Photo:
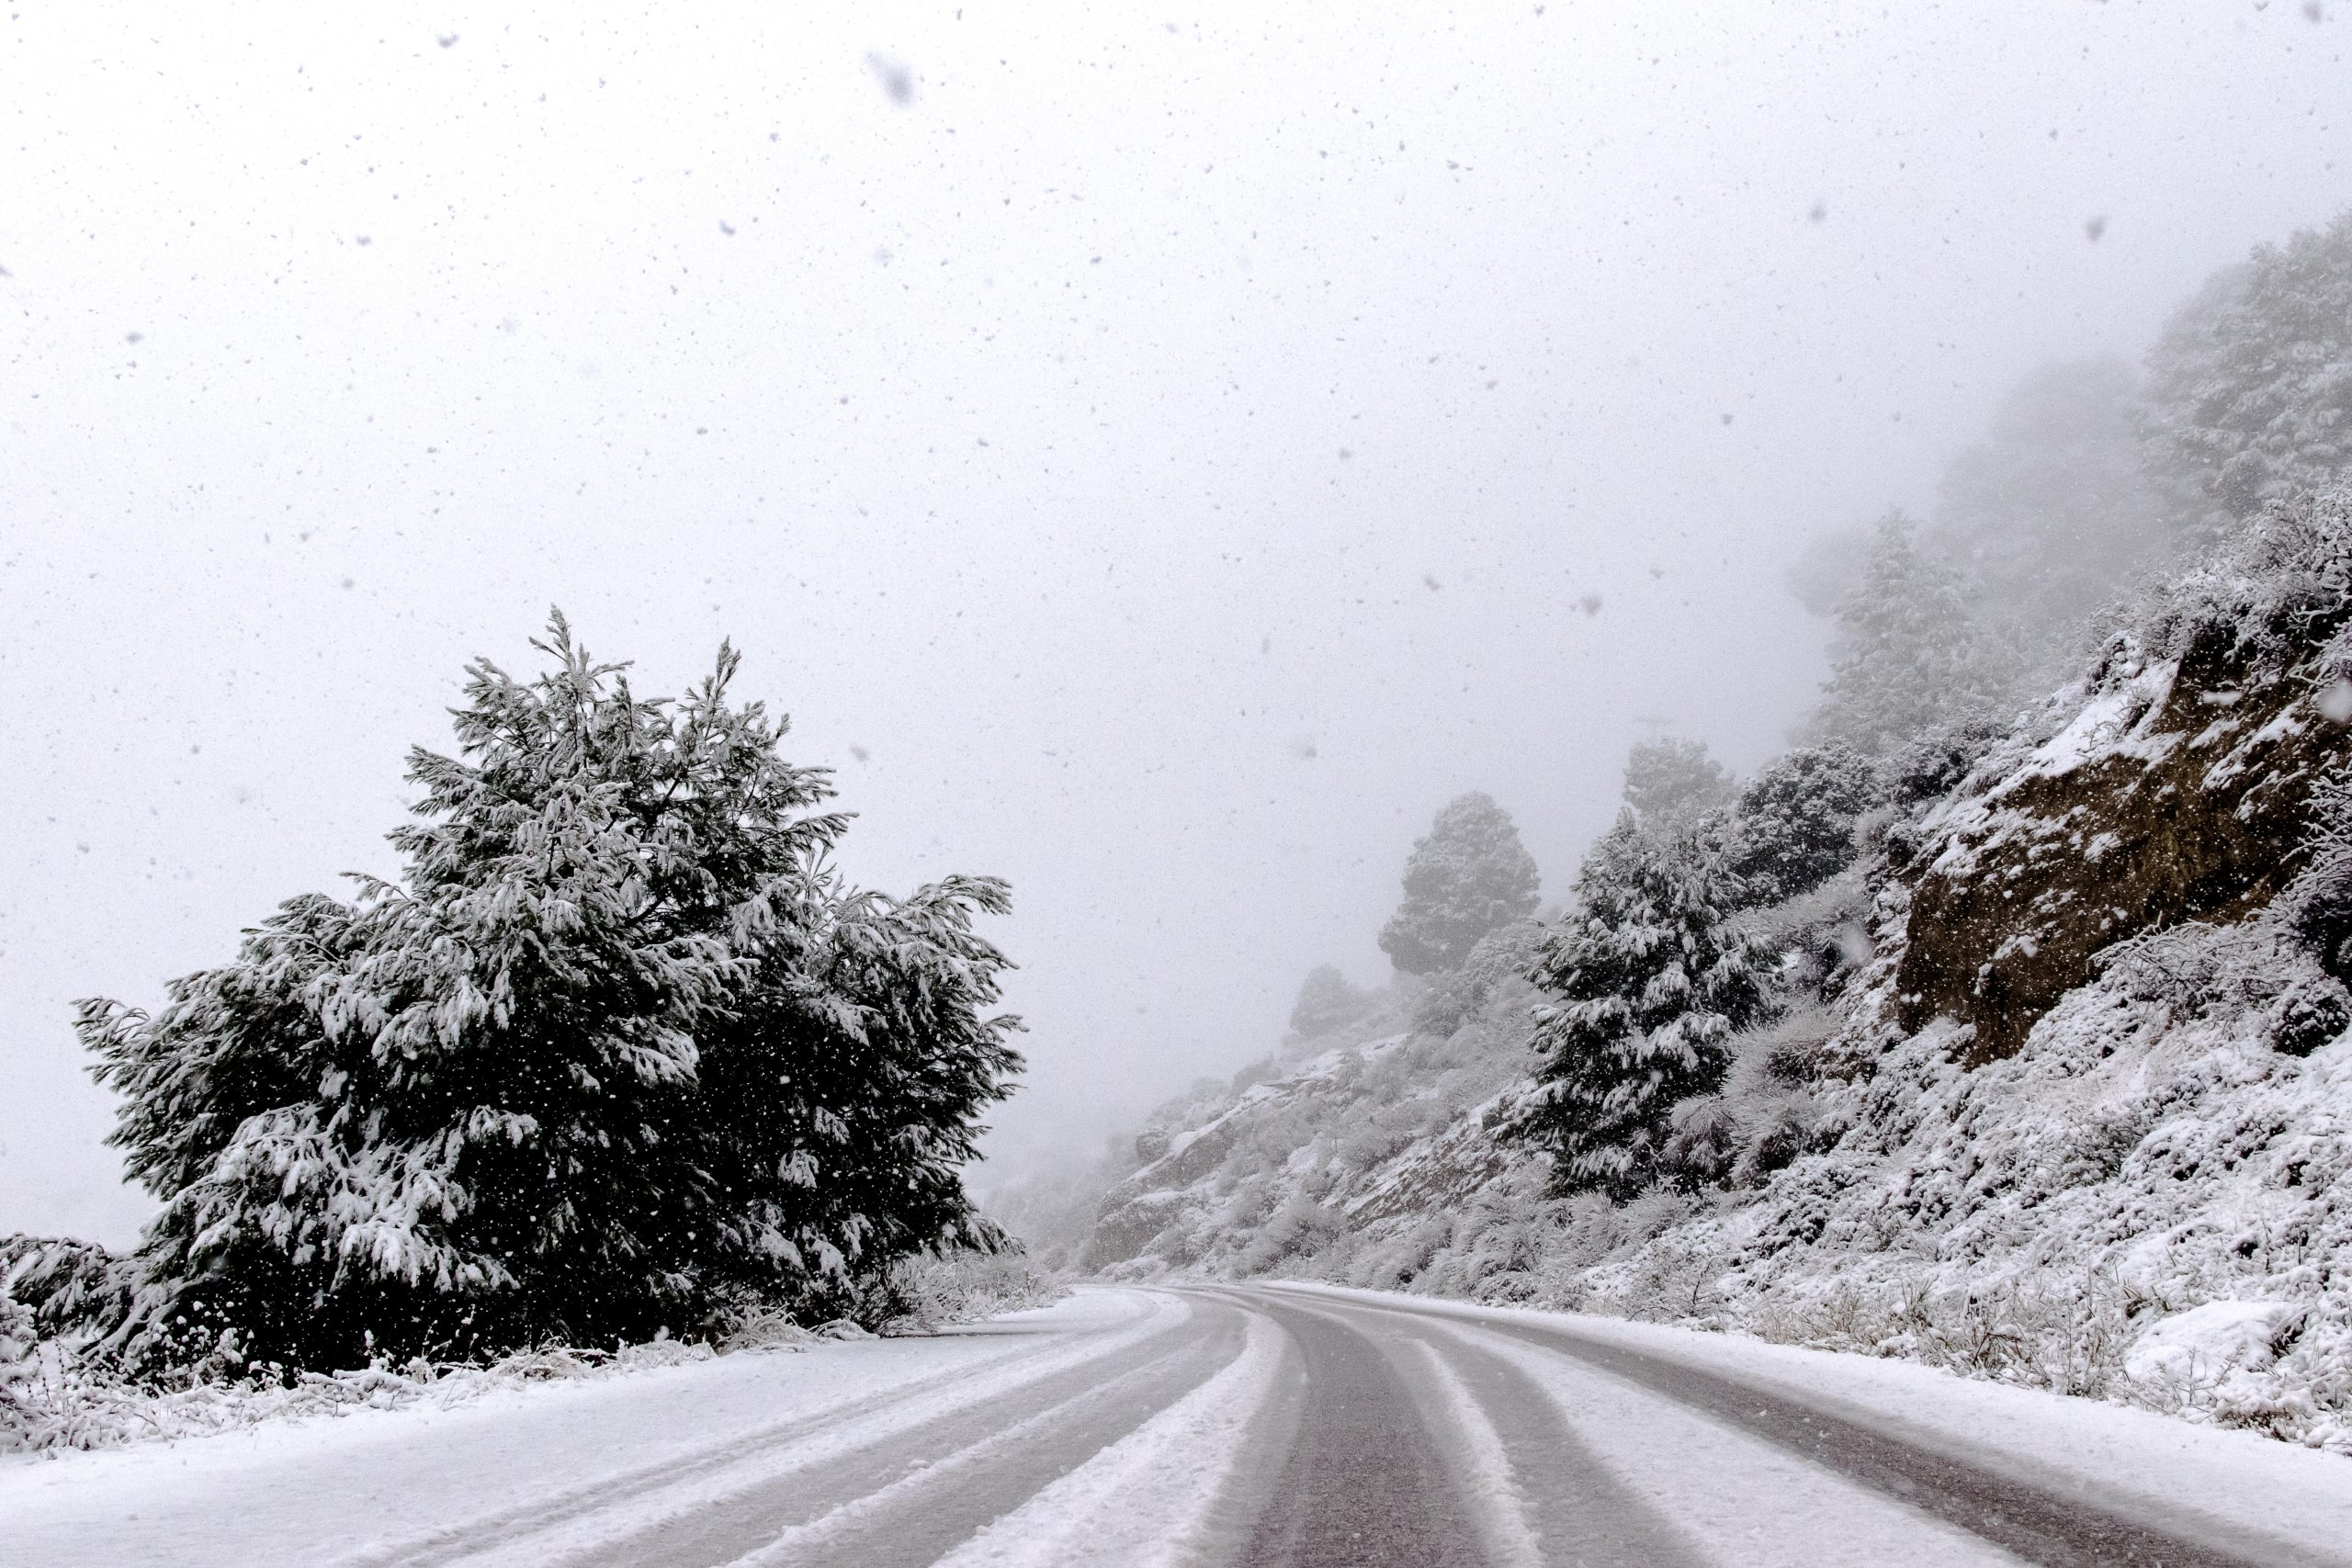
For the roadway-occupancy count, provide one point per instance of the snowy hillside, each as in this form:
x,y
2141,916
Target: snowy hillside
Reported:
x,y
2061,1092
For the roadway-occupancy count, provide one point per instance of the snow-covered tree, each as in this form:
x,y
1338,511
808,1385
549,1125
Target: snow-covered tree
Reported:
x,y
1908,656
1496,963
2051,513
1326,1000
2250,387
1671,783
1794,827
1649,979
619,1053
1468,876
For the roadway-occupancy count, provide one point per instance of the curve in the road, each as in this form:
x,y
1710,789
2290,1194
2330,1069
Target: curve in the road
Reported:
x,y
2041,1525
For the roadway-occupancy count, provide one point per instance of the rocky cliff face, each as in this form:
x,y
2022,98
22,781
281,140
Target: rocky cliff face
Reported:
x,y
2178,790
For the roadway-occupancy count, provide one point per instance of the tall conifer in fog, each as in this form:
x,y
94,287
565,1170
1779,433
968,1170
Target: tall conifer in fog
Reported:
x,y
1909,657
1468,876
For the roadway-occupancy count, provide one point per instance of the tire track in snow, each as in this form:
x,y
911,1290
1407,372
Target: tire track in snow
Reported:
x,y
1163,1496
1532,1491
1571,1506
2034,1523
1703,1491
580,1517
1364,1483
1485,1466
908,1504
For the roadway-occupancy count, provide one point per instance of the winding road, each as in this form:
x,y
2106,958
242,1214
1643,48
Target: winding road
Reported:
x,y
1263,1427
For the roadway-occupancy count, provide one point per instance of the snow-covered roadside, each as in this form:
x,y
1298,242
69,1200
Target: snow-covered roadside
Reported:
x,y
313,1490
2238,1480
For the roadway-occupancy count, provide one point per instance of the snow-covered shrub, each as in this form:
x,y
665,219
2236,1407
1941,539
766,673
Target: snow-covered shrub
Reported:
x,y
2275,592
76,1400
1495,967
619,1055
964,1286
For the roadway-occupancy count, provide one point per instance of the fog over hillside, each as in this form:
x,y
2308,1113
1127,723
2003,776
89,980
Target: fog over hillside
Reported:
x,y
1158,459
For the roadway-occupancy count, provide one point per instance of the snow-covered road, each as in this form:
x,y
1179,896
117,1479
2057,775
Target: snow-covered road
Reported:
x,y
1261,1425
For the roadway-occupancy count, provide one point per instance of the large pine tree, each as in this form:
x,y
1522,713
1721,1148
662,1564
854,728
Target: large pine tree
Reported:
x,y
1649,979
618,1053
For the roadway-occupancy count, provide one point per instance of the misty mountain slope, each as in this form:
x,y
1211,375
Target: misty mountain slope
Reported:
x,y
2077,1114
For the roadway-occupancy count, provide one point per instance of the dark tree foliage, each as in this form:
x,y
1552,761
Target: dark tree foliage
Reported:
x,y
1794,823
1470,875
1650,980
619,1053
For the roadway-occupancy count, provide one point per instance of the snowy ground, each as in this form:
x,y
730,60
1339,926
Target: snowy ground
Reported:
x,y
1257,1423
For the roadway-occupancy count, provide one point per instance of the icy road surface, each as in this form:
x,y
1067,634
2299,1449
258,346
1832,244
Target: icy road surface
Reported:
x,y
1257,1424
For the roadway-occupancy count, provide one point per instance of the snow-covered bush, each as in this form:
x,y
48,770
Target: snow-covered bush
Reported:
x,y
1496,966
78,1401
963,1286
2274,593
619,1055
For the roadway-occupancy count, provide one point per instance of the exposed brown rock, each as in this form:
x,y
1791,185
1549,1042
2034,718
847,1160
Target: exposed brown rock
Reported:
x,y
2178,792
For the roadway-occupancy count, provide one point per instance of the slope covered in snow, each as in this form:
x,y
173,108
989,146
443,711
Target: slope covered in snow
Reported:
x,y
2059,1092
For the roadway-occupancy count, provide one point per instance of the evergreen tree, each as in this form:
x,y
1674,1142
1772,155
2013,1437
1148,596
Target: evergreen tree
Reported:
x,y
2050,514
1468,876
1794,824
1671,783
1326,1000
1909,657
620,1052
2250,387
1650,980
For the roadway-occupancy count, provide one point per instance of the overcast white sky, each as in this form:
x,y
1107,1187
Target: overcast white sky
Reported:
x,y
1170,446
